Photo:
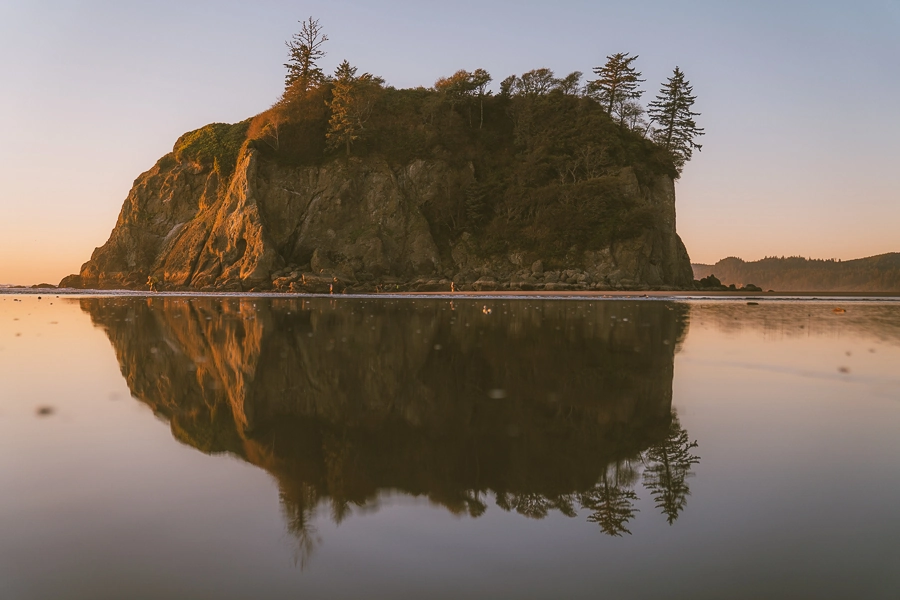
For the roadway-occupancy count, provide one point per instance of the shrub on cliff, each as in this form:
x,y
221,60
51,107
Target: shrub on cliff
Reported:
x,y
216,144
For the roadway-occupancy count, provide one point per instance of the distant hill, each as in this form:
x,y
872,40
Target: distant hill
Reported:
x,y
797,274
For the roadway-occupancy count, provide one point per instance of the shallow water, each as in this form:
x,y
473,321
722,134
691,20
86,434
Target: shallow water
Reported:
x,y
407,448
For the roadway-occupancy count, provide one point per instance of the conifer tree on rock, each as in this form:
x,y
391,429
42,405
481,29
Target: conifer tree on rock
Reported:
x,y
352,100
674,126
616,84
305,49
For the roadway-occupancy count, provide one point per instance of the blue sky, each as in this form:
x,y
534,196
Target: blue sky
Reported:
x,y
798,100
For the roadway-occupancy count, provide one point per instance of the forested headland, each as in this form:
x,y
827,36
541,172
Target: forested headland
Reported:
x,y
798,274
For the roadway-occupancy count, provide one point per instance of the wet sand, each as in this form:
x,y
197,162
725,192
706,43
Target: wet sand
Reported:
x,y
593,294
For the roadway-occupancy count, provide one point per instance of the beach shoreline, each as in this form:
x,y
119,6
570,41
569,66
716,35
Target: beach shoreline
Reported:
x,y
484,295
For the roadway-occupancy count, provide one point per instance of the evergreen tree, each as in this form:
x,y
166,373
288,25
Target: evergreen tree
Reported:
x,y
616,84
352,99
612,502
670,466
305,50
675,128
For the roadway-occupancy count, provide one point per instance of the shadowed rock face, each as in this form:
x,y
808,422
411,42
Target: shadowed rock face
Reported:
x,y
353,224
342,400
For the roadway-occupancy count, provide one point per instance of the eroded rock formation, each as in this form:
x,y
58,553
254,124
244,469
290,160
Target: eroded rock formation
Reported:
x,y
353,225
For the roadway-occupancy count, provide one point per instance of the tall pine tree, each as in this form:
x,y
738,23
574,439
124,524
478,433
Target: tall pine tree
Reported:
x,y
352,99
674,126
305,50
616,84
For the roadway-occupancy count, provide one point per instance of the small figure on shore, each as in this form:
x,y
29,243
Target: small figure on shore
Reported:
x,y
152,282
331,288
452,287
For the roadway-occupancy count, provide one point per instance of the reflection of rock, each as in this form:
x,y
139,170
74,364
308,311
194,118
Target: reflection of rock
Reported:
x,y
340,400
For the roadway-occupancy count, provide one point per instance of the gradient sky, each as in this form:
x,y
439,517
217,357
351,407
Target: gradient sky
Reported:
x,y
799,101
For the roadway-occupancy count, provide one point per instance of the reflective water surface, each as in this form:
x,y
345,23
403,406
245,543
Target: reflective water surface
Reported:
x,y
393,448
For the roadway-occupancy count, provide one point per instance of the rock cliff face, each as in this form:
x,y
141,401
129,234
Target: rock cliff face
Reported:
x,y
351,225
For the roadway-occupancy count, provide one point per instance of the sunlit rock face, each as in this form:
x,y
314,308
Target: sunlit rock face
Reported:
x,y
538,403
355,225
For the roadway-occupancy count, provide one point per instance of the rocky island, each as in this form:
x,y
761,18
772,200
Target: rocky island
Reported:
x,y
346,185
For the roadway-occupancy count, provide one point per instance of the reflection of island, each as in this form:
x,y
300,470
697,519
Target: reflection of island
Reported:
x,y
545,405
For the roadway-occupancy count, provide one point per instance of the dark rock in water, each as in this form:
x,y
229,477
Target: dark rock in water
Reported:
x,y
72,282
45,411
710,283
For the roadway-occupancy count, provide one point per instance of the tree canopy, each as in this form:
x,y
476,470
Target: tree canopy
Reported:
x,y
305,51
616,86
674,126
352,100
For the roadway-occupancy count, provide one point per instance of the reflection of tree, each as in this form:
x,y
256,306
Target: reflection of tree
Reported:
x,y
474,504
404,407
670,466
336,454
612,499
299,517
533,506
536,506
